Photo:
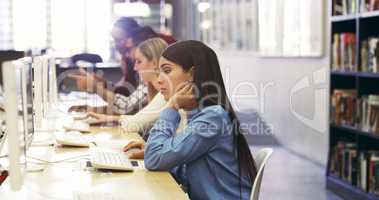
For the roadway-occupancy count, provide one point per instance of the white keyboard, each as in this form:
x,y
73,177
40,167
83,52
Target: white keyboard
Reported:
x,y
72,138
78,115
77,126
103,159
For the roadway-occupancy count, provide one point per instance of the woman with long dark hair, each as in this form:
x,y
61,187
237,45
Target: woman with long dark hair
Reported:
x,y
210,157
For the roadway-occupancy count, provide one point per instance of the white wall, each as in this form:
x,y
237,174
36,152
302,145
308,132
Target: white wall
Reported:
x,y
279,76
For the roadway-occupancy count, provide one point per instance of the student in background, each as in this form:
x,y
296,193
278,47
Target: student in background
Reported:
x,y
212,143
123,33
119,103
147,56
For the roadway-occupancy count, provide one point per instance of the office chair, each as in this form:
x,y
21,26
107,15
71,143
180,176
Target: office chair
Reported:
x,y
260,160
87,57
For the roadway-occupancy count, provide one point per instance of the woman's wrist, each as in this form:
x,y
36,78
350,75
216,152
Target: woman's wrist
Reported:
x,y
171,104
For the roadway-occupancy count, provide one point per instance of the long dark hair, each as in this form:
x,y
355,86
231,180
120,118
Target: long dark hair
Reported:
x,y
127,24
195,54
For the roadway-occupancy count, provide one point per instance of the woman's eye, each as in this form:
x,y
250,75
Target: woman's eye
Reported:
x,y
166,71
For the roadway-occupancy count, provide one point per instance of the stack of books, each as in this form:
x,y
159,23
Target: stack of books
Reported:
x,y
344,52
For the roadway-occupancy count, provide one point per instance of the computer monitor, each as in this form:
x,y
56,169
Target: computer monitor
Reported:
x,y
52,82
18,116
45,80
27,94
7,56
45,87
38,91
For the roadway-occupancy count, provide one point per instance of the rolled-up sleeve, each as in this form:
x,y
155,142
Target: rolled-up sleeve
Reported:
x,y
130,104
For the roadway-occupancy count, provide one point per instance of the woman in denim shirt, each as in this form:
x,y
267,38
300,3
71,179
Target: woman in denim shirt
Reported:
x,y
210,157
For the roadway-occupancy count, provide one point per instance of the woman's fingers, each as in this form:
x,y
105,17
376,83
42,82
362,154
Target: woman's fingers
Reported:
x,y
133,144
137,155
77,108
95,115
76,77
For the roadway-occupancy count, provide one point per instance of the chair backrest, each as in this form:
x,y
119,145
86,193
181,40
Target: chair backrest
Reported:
x,y
260,160
88,57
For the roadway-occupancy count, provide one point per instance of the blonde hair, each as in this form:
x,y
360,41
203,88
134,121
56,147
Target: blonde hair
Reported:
x,y
153,48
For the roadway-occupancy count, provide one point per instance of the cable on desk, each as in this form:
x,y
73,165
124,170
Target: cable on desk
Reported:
x,y
4,156
57,161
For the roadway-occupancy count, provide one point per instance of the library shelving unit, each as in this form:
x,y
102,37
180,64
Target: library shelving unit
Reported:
x,y
364,25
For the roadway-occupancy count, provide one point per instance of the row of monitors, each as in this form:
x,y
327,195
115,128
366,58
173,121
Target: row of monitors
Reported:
x,y
30,90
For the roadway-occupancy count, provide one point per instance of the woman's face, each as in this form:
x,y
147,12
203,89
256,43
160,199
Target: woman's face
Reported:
x,y
119,39
171,77
144,67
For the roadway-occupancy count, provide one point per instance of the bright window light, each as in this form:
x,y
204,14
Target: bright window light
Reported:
x,y
203,6
29,24
136,9
205,24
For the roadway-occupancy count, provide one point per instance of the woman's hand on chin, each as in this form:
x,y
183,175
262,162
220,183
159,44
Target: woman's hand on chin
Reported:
x,y
183,98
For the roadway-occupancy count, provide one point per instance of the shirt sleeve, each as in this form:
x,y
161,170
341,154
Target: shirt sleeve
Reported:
x,y
165,149
128,104
145,118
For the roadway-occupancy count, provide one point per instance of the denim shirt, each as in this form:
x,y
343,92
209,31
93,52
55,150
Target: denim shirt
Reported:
x,y
201,157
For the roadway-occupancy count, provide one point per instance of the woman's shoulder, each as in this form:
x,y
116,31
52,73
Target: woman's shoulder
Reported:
x,y
214,121
215,113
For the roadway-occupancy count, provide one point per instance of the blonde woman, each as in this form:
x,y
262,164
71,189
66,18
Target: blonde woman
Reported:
x,y
147,56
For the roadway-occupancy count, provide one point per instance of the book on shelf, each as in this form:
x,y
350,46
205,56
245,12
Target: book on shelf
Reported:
x,y
369,5
359,168
370,55
345,7
368,171
343,163
349,110
343,107
344,52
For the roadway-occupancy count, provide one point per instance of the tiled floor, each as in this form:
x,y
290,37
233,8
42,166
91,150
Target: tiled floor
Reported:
x,y
289,177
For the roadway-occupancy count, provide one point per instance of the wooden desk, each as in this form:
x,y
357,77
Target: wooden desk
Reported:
x,y
58,181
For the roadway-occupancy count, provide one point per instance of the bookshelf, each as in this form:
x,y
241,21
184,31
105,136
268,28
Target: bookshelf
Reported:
x,y
353,160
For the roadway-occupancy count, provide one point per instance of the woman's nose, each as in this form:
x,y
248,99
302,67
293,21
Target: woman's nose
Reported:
x,y
135,67
160,79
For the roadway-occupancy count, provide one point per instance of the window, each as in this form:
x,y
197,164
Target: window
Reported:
x,y
228,24
67,26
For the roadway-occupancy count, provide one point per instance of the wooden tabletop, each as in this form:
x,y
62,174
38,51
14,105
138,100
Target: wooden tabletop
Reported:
x,y
60,179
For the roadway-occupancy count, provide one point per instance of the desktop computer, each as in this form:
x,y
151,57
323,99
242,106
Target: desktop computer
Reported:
x,y
45,88
52,82
18,116
37,83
